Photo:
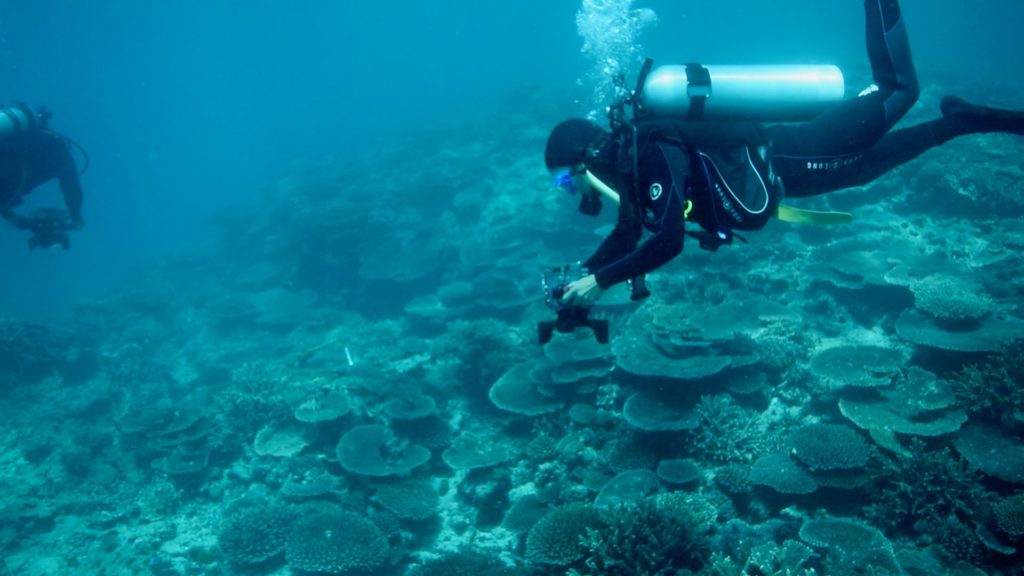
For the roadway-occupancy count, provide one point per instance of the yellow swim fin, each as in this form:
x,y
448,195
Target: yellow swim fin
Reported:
x,y
801,216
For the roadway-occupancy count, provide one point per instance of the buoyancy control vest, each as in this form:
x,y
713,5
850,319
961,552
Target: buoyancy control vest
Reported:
x,y
724,163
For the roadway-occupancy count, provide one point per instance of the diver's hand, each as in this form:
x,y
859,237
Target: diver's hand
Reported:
x,y
583,292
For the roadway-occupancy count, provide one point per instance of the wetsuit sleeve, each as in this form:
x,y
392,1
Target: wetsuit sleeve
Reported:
x,y
623,240
662,199
70,186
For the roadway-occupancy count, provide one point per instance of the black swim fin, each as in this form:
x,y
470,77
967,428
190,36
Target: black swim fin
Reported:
x,y
973,118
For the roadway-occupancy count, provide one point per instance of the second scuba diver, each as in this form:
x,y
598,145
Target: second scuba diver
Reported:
x,y
730,176
31,155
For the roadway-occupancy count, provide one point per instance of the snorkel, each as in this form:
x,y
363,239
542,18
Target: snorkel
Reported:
x,y
599,185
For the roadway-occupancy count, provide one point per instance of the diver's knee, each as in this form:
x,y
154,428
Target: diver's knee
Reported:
x,y
890,12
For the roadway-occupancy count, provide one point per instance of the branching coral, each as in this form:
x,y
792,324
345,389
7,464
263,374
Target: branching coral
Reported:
x,y
660,535
926,487
726,431
992,389
482,350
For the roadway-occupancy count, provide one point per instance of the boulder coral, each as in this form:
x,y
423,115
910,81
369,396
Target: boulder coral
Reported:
x,y
330,540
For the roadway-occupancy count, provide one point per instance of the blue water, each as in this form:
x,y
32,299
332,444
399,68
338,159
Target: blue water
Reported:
x,y
187,107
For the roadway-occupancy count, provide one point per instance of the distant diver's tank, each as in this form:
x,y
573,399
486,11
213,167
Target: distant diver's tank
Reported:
x,y
766,93
18,118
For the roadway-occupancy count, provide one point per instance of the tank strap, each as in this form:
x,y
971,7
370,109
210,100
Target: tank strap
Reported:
x,y
698,88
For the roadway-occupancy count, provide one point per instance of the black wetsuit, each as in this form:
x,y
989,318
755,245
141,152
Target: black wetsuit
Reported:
x,y
28,160
848,145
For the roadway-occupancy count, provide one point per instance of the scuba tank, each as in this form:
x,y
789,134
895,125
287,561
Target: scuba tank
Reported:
x,y
764,93
17,118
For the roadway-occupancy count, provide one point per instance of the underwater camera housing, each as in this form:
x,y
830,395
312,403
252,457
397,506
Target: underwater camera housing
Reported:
x,y
569,317
49,227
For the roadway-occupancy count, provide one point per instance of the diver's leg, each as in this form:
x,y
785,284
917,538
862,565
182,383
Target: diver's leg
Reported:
x,y
959,117
967,118
805,156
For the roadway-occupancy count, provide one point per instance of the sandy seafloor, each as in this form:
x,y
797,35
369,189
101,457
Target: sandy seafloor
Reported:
x,y
350,384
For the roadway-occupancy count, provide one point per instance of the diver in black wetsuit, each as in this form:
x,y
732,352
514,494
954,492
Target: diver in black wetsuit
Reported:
x,y
666,180
31,155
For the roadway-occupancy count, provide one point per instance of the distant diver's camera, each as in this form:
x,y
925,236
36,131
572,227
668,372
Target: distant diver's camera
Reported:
x,y
569,317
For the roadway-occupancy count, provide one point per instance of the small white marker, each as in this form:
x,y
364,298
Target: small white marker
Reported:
x,y
348,357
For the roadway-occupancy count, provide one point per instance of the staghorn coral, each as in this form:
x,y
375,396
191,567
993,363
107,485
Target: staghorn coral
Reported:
x,y
660,535
992,389
330,540
924,487
726,432
829,447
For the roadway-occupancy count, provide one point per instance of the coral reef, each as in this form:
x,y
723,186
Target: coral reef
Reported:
x,y
348,384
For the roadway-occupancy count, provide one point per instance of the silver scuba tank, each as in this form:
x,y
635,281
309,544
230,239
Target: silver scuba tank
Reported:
x,y
17,118
766,93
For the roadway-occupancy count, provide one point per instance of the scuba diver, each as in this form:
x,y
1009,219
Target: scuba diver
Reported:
x,y
726,176
30,155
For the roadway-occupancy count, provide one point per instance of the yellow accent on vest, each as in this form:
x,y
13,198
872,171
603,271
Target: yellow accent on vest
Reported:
x,y
687,209
801,216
